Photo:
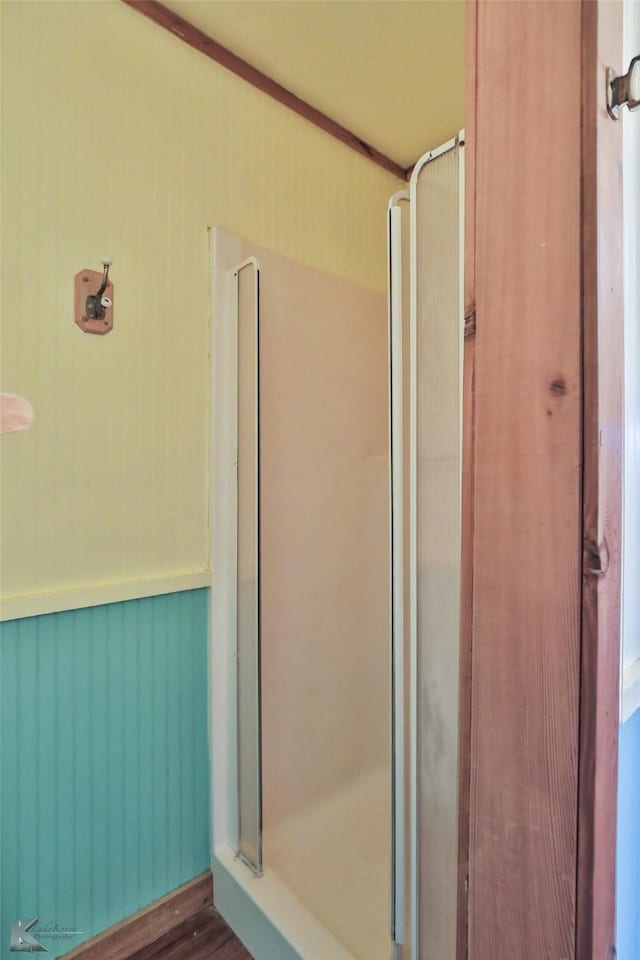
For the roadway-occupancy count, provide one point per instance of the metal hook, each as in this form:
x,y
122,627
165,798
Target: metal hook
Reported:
x,y
105,277
97,304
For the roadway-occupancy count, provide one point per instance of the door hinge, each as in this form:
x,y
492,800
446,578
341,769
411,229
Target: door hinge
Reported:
x,y
595,557
470,323
625,90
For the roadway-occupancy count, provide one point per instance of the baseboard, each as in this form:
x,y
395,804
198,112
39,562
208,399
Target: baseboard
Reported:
x,y
149,924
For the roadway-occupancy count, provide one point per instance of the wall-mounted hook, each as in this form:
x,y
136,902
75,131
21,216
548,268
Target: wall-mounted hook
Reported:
x,y
97,302
94,310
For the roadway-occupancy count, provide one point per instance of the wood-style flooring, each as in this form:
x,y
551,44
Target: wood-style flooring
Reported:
x,y
204,936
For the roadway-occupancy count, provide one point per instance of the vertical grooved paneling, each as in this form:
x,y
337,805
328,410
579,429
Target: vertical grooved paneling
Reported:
x,y
97,708
111,481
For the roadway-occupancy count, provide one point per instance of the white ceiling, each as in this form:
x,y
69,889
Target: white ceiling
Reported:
x,y
391,71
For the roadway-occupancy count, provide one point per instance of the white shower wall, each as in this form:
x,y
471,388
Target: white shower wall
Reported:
x,y
325,599
324,605
324,564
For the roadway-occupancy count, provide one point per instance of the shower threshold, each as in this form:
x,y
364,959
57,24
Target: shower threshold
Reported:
x,y
271,922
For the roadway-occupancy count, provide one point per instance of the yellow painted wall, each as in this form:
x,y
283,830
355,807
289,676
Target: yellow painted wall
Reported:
x,y
118,140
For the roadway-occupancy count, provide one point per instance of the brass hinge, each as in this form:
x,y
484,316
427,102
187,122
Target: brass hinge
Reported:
x,y
623,91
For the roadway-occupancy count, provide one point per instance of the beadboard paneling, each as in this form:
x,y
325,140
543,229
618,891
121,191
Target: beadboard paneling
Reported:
x,y
119,140
104,786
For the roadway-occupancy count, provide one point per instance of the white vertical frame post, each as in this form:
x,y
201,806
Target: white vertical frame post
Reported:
x,y
252,858
414,785
396,516
223,603
223,614
461,250
413,565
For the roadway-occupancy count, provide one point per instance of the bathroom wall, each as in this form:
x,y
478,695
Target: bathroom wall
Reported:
x,y
118,140
121,141
628,849
103,766
628,854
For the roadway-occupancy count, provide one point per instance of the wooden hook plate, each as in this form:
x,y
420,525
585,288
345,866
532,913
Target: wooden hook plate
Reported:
x,y
87,282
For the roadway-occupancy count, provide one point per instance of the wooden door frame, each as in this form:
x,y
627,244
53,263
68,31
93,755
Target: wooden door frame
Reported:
x,y
468,454
602,423
598,319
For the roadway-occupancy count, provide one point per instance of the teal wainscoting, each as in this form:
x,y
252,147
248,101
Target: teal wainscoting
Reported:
x,y
628,871
104,782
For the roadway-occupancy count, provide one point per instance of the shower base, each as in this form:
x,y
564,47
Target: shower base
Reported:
x,y
334,856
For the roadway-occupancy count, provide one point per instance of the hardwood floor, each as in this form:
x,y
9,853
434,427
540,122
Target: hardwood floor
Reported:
x,y
204,936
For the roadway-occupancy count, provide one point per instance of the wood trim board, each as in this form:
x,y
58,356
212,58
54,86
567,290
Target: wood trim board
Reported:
x,y
148,924
546,448
200,41
526,481
468,452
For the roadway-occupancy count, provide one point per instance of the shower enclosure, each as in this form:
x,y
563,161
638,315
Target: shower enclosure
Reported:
x,y
335,598
426,272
